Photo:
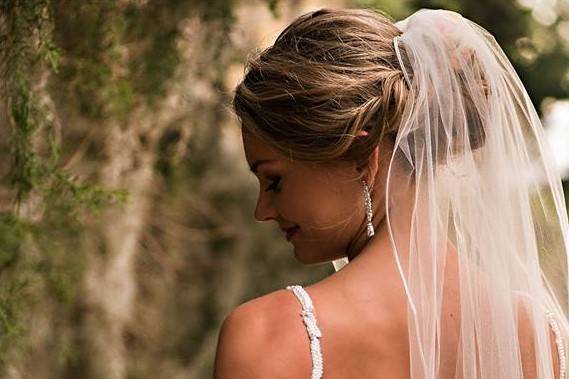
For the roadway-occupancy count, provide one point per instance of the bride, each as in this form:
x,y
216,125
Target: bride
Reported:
x,y
409,155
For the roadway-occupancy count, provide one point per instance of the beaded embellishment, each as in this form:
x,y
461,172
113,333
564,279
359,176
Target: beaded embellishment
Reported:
x,y
559,342
314,332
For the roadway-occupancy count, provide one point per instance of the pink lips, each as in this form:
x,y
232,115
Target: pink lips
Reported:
x,y
290,232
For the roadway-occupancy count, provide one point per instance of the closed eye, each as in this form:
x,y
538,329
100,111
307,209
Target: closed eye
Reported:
x,y
273,185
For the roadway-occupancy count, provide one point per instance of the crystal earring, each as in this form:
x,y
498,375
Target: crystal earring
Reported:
x,y
367,199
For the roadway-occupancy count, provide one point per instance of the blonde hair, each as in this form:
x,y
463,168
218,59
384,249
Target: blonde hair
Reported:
x,y
329,75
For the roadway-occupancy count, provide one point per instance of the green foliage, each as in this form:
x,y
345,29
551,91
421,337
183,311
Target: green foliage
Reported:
x,y
102,59
90,34
12,296
13,232
396,9
273,7
157,62
49,201
11,303
19,61
26,35
72,198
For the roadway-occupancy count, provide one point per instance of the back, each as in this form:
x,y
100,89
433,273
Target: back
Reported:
x,y
361,332
367,336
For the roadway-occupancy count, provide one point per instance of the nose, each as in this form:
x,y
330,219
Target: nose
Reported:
x,y
265,210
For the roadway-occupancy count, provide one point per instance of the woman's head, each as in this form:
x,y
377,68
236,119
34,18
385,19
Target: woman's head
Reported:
x,y
324,101
323,202
329,75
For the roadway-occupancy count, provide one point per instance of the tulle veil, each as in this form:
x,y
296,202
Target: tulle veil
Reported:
x,y
471,158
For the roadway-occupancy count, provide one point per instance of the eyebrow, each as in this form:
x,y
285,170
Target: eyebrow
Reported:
x,y
256,164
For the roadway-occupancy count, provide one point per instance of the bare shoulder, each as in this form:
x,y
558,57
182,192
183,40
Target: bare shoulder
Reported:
x,y
263,338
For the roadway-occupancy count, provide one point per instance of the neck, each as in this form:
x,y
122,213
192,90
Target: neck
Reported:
x,y
364,241
400,215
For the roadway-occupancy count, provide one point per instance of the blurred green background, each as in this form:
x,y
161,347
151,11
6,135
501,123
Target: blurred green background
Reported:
x,y
126,204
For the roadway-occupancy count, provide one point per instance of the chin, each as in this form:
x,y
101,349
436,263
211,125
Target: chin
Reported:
x,y
299,257
302,258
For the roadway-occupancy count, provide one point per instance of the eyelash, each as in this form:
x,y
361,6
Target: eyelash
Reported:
x,y
273,185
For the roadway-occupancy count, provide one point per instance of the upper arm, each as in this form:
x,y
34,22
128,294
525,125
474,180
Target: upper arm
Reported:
x,y
263,338
237,354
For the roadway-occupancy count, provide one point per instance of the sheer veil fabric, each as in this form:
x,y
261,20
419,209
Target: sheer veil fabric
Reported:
x,y
471,181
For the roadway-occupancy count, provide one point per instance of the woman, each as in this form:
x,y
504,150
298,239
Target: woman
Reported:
x,y
411,151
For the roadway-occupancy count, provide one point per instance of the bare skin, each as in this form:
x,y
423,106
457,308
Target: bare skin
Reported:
x,y
361,310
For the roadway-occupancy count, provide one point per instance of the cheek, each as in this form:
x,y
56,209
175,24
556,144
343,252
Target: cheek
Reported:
x,y
319,204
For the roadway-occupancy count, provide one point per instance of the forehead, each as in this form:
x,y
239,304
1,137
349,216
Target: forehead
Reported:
x,y
256,148
258,151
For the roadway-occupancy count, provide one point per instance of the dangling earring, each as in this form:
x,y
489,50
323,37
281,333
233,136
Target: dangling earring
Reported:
x,y
369,214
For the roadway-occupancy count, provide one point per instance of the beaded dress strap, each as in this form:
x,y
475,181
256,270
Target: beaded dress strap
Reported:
x,y
559,342
314,332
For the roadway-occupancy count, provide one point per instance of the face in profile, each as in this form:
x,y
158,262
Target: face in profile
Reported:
x,y
320,205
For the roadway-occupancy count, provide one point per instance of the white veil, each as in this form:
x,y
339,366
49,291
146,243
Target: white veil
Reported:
x,y
482,240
